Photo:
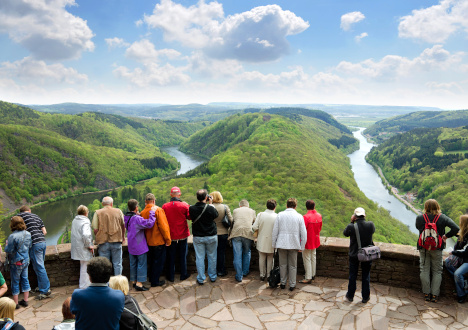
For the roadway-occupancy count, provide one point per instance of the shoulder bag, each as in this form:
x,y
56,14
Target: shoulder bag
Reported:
x,y
200,215
275,277
367,253
143,322
226,222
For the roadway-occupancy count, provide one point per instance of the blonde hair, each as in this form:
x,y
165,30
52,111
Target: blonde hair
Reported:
x,y
217,197
119,282
82,210
463,227
7,308
432,207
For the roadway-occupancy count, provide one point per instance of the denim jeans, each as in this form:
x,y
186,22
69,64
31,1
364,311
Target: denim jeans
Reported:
x,y
37,257
177,249
156,259
458,277
221,254
353,272
19,275
241,250
205,246
113,252
138,266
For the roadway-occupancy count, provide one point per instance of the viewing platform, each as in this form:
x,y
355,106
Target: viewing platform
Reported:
x,y
227,304
395,302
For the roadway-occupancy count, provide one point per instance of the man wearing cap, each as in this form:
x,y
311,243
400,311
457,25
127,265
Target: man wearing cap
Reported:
x,y
366,230
177,213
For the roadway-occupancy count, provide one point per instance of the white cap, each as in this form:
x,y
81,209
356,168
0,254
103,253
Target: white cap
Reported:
x,y
360,212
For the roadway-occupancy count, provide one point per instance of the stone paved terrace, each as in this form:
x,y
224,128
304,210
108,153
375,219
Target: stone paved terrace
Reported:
x,y
226,304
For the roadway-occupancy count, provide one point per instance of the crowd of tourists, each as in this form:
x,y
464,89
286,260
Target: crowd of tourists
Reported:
x,y
157,238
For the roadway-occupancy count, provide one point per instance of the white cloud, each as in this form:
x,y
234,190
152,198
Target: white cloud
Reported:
x,y
394,66
351,18
213,68
46,28
448,88
358,38
116,42
257,35
437,23
29,69
144,50
153,75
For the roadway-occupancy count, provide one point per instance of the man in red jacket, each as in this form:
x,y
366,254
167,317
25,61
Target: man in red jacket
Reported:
x,y
313,223
177,213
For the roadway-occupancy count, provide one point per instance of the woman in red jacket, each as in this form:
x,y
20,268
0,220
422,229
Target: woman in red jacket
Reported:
x,y
313,224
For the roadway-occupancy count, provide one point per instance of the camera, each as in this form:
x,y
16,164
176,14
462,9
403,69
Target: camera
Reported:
x,y
210,197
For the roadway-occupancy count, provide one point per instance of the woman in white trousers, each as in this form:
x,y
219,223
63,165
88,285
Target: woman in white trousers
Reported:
x,y
82,247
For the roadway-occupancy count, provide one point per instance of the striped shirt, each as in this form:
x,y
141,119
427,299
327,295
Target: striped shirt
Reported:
x,y
34,225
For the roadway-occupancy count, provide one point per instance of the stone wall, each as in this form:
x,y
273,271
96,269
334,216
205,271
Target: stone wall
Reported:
x,y
399,265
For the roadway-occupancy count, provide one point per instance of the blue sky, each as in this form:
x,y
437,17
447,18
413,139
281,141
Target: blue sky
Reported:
x,y
378,52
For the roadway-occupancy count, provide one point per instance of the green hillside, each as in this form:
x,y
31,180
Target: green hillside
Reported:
x,y
430,163
387,128
42,153
260,156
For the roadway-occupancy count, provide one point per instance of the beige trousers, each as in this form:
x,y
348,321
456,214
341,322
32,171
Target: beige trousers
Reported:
x,y
309,258
265,260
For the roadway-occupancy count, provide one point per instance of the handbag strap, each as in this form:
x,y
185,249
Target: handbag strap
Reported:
x,y
358,237
136,307
200,214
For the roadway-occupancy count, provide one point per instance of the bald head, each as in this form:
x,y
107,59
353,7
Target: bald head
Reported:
x,y
107,201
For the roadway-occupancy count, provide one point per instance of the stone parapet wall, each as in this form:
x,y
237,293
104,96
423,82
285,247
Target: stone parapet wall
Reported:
x,y
398,266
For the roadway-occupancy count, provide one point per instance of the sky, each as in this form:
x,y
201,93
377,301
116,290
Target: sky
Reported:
x,y
373,52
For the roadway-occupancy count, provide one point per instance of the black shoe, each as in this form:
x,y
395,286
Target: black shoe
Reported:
x,y
140,288
170,279
262,278
17,306
23,303
161,283
183,278
462,299
291,288
313,278
283,286
349,298
200,283
238,280
222,274
364,301
427,297
48,293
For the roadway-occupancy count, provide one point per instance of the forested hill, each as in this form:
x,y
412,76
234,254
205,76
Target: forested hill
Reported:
x,y
227,133
387,128
270,156
432,163
42,153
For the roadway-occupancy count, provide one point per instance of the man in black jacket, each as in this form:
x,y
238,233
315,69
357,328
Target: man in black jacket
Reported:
x,y
205,235
366,230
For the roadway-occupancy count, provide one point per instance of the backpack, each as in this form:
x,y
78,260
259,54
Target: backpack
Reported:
x,y
429,238
143,322
9,324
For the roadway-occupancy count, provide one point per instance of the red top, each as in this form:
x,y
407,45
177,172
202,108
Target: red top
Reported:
x,y
313,224
177,213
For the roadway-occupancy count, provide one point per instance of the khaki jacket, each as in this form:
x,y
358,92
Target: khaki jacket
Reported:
x,y
109,222
243,218
264,224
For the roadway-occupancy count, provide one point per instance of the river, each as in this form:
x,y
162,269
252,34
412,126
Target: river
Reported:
x,y
371,184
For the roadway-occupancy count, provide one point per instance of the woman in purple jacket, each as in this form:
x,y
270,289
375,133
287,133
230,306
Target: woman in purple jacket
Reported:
x,y
137,247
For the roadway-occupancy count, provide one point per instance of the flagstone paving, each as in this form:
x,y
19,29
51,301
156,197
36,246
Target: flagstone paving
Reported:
x,y
227,304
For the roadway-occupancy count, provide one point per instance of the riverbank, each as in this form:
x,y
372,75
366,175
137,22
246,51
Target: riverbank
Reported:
x,y
392,189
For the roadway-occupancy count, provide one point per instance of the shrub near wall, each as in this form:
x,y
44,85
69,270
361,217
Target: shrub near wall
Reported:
x,y
398,266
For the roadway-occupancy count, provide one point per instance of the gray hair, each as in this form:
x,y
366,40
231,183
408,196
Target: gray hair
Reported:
x,y
107,200
244,202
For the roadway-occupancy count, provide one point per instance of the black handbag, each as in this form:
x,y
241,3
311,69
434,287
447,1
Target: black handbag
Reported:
x,y
226,222
367,253
275,277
